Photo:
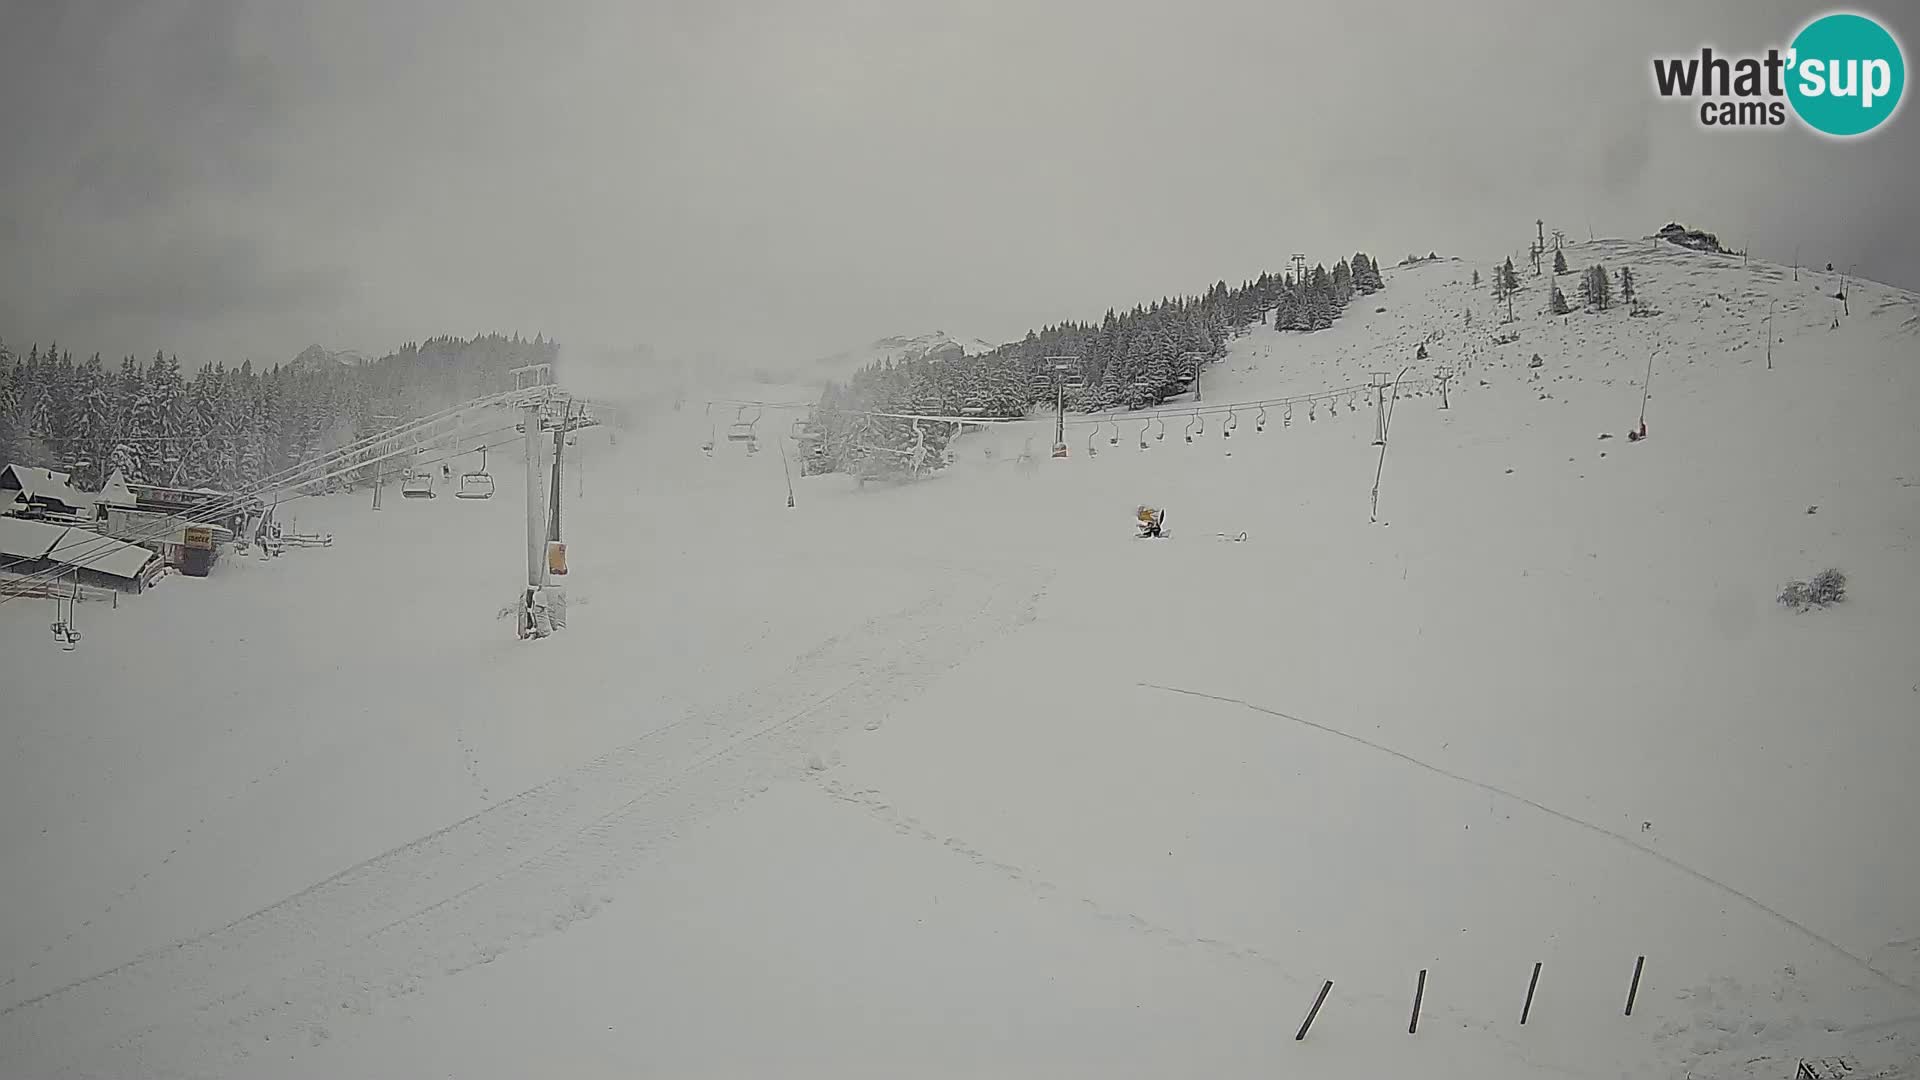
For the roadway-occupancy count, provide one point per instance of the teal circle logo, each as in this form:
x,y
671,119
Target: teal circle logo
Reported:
x,y
1846,74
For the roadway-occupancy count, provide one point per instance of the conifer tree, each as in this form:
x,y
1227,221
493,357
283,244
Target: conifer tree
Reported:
x,y
1556,300
1321,304
1559,261
1595,291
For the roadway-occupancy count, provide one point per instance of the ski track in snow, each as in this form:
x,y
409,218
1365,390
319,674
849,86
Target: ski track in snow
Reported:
x,y
871,801
1746,898
132,886
522,868
471,761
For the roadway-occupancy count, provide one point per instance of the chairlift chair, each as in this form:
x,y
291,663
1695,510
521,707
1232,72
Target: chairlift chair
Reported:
x,y
741,430
477,484
418,485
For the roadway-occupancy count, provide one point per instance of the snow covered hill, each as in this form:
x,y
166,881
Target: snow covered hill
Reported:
x,y
959,778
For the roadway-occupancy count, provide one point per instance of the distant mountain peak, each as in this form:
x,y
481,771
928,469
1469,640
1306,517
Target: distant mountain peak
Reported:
x,y
316,357
935,345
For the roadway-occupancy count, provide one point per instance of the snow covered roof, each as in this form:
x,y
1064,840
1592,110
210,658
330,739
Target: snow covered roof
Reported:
x,y
44,484
115,491
24,539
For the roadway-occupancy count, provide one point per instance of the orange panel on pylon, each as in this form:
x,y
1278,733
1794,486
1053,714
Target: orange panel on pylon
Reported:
x,y
556,558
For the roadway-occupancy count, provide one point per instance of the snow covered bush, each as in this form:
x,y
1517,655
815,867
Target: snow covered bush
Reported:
x,y
1796,595
1827,587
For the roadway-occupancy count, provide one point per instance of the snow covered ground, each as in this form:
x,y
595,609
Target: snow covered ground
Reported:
x,y
958,778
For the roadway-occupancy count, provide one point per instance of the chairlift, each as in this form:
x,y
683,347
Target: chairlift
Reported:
x,y
1233,421
1260,422
1092,450
1114,439
1351,398
418,484
1143,435
65,610
1160,432
1311,407
707,447
1074,379
742,429
1200,429
1286,417
477,484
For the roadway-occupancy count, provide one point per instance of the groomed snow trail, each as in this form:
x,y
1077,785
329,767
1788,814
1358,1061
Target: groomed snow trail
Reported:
x,y
526,867
1757,904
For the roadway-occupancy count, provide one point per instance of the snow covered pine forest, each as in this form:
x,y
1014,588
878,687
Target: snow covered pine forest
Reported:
x,y
229,427
958,777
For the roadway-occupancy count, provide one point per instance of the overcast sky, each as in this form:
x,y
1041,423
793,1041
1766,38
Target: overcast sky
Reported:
x,y
779,179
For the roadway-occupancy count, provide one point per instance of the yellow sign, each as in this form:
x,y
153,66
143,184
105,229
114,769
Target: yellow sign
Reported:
x,y
199,536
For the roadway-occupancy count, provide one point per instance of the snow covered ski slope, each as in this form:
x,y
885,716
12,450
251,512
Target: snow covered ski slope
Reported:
x,y
954,778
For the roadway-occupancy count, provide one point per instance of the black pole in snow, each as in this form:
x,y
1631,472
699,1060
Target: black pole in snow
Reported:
x,y
1634,990
1419,991
1313,1012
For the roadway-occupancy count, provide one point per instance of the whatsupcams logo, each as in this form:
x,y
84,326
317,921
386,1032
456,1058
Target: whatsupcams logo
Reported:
x,y
1842,75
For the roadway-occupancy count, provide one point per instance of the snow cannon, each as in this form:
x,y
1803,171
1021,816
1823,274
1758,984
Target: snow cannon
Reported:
x,y
1149,520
